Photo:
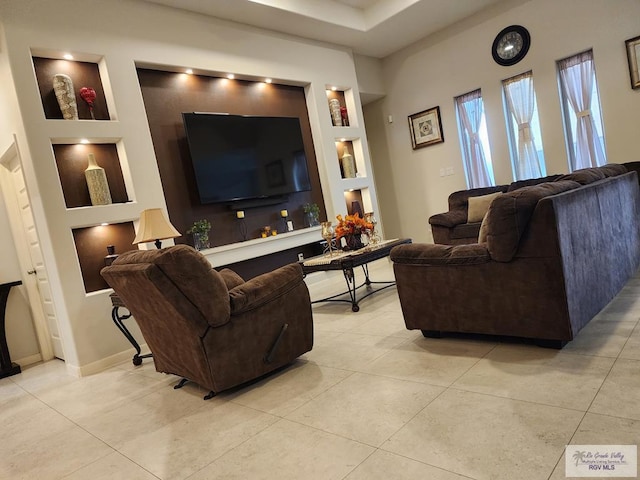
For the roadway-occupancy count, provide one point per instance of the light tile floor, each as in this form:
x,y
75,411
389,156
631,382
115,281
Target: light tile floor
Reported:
x,y
370,401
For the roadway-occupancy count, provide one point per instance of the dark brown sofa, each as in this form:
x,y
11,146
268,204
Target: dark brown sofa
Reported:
x,y
212,327
453,228
555,254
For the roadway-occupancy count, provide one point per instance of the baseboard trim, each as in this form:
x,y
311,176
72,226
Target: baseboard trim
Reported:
x,y
29,360
104,363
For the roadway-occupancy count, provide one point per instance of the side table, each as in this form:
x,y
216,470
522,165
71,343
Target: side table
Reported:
x,y
7,367
118,319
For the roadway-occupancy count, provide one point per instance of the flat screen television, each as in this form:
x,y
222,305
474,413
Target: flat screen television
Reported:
x,y
239,157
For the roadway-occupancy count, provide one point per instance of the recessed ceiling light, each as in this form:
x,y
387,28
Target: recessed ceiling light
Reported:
x,y
231,76
343,139
104,224
268,80
188,71
334,88
84,141
67,56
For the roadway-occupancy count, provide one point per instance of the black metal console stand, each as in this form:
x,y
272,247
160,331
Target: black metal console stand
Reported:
x,y
118,319
7,367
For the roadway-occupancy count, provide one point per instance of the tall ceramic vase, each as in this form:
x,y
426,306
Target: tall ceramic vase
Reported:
x,y
66,96
97,183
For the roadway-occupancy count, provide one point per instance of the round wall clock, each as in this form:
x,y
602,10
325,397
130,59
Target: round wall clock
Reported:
x,y
511,45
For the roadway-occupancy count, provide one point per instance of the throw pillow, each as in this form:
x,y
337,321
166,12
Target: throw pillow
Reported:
x,y
478,207
484,229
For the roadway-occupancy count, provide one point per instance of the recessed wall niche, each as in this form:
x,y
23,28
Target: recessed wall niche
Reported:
x,y
72,160
91,247
83,74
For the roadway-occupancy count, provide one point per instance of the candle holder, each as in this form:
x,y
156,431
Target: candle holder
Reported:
x,y
284,214
242,226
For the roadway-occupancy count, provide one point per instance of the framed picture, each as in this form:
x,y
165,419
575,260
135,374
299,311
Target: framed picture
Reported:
x,y
633,55
426,128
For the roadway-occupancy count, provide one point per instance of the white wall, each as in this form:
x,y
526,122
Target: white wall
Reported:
x,y
458,60
119,35
21,337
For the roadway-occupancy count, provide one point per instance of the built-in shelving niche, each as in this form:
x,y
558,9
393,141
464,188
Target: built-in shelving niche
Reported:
x,y
358,200
72,160
339,119
83,74
91,246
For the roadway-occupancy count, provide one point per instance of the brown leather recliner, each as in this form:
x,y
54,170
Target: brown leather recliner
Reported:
x,y
210,327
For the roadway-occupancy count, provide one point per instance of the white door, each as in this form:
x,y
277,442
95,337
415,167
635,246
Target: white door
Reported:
x,y
30,256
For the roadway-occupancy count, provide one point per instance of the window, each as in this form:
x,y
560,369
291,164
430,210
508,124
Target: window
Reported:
x,y
581,108
523,127
474,141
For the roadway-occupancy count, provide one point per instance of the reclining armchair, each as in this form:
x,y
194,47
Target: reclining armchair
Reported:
x,y
211,327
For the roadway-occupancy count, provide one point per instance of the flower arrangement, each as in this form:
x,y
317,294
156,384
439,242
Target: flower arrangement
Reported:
x,y
351,225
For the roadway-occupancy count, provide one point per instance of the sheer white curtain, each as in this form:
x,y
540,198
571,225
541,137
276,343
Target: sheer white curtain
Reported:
x,y
470,113
521,99
577,74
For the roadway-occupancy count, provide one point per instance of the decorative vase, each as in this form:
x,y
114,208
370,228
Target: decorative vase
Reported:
x,y
201,241
66,96
97,183
353,241
348,165
336,116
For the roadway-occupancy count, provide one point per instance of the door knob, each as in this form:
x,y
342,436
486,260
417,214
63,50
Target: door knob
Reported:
x,y
31,272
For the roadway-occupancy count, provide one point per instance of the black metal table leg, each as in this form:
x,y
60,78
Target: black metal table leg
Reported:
x,y
350,278
119,321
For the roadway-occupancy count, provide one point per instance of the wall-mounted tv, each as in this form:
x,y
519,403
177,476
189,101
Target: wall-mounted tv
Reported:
x,y
239,157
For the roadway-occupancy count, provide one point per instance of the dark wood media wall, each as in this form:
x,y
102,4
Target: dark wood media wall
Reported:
x,y
166,95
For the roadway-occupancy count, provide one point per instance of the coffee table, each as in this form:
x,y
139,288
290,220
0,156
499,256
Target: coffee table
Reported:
x,y
347,261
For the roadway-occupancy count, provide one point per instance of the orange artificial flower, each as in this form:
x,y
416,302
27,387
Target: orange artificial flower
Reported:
x,y
351,224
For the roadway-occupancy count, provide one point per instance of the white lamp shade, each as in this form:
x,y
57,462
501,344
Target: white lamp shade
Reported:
x,y
154,226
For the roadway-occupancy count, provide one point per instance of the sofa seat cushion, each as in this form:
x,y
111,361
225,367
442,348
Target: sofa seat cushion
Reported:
x,y
509,216
432,254
478,206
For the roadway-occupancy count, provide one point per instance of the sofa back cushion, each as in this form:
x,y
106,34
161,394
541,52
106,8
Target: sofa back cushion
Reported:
x,y
584,176
192,274
531,181
509,216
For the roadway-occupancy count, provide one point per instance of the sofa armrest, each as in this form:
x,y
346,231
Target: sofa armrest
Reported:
x,y
449,219
434,254
264,288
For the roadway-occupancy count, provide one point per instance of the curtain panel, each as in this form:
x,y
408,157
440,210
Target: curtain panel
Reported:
x,y
470,110
521,99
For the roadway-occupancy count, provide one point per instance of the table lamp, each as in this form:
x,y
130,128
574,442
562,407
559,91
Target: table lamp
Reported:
x,y
154,227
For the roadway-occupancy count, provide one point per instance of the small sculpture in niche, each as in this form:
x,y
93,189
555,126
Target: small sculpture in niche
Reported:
x,y
88,94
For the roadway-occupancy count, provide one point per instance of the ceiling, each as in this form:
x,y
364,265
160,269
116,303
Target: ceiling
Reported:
x,y
370,27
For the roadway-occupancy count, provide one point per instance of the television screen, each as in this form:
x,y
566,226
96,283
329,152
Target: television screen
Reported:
x,y
246,157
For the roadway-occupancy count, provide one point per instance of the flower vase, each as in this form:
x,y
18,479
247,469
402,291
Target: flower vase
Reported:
x,y
201,241
311,219
353,241
97,183
66,96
